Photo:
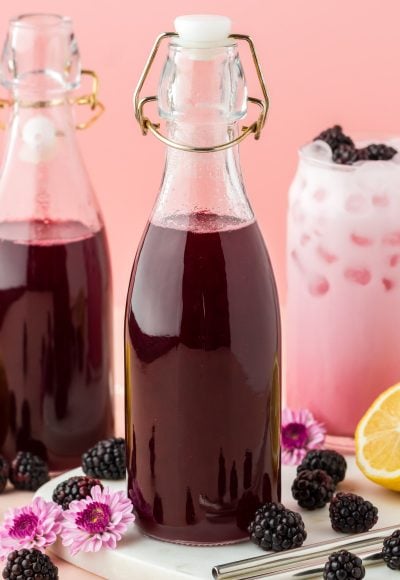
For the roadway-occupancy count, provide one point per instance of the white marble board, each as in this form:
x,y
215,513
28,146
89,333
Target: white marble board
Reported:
x,y
140,558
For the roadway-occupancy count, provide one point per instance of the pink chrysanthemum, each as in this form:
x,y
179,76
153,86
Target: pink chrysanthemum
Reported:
x,y
32,526
300,433
99,521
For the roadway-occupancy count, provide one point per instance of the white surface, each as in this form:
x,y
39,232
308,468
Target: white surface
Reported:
x,y
207,30
141,558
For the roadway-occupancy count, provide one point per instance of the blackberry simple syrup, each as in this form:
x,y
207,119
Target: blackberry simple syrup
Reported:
x,y
202,366
54,339
202,328
56,367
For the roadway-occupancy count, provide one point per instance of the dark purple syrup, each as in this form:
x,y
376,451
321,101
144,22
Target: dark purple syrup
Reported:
x,y
202,380
55,340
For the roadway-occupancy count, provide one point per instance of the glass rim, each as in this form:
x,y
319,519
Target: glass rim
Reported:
x,y
325,164
388,139
42,19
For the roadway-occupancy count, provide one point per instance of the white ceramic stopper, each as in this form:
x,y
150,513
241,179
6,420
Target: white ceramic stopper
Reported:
x,y
202,30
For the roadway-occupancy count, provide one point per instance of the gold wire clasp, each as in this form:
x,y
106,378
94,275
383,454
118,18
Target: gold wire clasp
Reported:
x,y
91,99
3,104
95,105
146,125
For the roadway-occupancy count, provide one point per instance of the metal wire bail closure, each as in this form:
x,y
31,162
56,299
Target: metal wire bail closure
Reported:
x,y
91,100
95,105
146,125
3,104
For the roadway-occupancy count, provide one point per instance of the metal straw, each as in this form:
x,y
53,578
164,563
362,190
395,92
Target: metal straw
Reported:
x,y
273,563
315,570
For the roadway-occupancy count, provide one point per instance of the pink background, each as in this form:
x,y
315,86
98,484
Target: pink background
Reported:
x,y
325,61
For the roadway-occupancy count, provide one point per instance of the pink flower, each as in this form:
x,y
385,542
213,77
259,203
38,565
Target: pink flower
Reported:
x,y
99,521
32,526
300,432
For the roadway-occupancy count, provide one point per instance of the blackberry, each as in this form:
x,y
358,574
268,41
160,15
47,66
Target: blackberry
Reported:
x,y
350,513
362,154
391,550
74,488
28,471
335,137
344,154
29,564
4,471
313,489
343,565
376,152
330,461
106,459
276,528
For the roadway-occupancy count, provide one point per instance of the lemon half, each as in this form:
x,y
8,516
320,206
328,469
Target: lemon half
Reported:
x,y
377,440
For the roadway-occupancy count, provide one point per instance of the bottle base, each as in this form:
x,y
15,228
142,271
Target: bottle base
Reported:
x,y
345,445
196,543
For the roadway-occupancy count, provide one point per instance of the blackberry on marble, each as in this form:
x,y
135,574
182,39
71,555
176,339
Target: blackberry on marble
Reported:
x,y
28,471
106,459
343,565
276,528
30,564
74,488
313,489
329,461
351,513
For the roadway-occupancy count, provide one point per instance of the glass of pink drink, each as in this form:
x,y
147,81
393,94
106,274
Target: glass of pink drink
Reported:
x,y
343,308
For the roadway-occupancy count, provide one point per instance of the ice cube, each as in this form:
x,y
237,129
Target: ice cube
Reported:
x,y
392,239
394,260
380,200
360,276
356,203
388,284
317,150
304,239
320,194
295,257
361,240
326,255
318,285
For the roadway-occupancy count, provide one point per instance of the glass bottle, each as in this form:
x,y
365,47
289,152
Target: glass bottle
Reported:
x,y
202,328
55,283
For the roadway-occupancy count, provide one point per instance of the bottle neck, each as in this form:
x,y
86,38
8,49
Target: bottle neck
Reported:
x,y
209,184
43,176
202,95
